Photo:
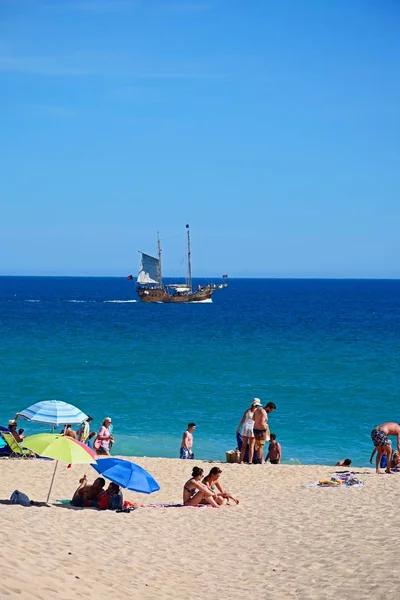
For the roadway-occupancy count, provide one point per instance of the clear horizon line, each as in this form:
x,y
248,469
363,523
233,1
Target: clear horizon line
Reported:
x,y
354,278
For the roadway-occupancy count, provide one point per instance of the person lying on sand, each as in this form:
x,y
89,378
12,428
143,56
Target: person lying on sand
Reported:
x,y
195,492
212,482
344,463
88,495
381,442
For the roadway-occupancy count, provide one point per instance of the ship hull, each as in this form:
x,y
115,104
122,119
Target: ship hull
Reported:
x,y
161,295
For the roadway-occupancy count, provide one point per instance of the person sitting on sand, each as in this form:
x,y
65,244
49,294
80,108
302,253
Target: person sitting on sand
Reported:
x,y
194,492
380,440
111,498
212,482
346,462
274,451
69,432
88,495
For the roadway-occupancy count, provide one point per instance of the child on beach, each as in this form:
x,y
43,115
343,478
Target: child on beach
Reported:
x,y
274,451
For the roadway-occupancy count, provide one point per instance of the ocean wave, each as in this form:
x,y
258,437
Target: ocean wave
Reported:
x,y
119,301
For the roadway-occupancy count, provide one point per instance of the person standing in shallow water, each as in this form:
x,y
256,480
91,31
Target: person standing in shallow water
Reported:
x,y
381,442
187,442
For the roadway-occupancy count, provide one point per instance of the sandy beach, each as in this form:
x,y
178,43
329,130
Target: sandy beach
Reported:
x,y
282,541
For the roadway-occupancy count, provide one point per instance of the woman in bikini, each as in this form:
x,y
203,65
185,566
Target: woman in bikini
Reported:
x,y
212,482
195,492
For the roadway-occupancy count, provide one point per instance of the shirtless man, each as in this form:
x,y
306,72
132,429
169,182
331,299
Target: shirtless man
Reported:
x,y
380,440
187,442
87,495
261,429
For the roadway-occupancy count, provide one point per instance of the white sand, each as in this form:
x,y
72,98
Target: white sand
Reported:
x,y
283,541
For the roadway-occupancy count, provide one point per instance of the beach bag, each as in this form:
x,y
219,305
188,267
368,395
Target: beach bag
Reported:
x,y
232,456
116,502
18,497
97,444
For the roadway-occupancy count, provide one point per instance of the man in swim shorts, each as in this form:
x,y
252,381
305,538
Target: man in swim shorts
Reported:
x,y
187,442
380,440
261,429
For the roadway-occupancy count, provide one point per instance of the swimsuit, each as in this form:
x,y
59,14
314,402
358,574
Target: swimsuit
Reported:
x,y
191,491
260,434
379,438
274,461
185,453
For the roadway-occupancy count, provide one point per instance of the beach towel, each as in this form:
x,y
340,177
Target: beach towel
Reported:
x,y
338,480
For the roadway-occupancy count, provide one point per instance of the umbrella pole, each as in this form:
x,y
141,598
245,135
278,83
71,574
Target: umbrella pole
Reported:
x,y
52,480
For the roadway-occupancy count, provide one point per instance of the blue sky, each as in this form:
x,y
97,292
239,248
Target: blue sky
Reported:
x,y
271,127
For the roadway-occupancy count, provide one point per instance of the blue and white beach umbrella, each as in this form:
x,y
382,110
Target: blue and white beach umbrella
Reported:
x,y
53,412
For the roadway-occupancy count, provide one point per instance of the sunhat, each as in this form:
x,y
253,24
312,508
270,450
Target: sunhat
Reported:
x,y
256,402
12,422
108,419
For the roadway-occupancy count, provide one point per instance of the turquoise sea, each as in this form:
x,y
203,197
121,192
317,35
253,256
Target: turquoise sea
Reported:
x,y
327,352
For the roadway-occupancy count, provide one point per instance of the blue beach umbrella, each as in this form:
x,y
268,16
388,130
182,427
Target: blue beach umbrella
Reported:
x,y
127,475
53,412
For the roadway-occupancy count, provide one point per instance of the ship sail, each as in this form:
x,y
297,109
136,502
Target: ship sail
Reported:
x,y
149,271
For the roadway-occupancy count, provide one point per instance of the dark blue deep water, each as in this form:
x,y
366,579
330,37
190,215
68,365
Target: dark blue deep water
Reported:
x,y
327,352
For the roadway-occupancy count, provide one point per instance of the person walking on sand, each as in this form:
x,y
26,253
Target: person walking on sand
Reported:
x,y
380,440
247,421
104,438
187,442
261,429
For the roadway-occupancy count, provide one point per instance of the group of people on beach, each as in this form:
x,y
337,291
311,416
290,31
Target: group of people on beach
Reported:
x,y
95,496
101,442
255,433
206,490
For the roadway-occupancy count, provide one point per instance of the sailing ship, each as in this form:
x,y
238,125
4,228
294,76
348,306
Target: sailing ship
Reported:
x,y
150,287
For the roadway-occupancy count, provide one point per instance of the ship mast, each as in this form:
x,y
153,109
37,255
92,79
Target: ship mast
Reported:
x,y
159,259
189,271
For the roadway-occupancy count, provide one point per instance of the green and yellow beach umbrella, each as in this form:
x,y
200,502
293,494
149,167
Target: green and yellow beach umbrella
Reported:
x,y
60,448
